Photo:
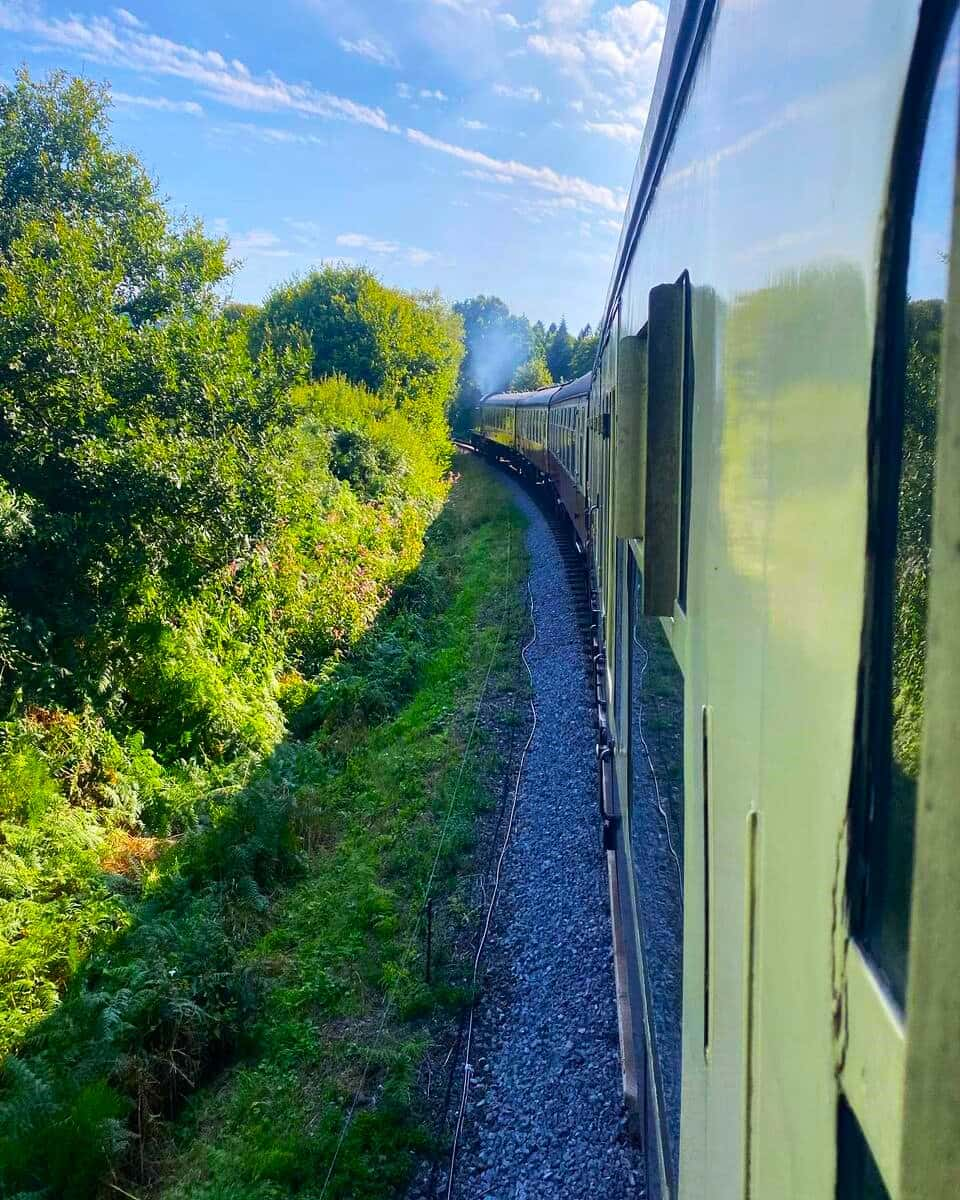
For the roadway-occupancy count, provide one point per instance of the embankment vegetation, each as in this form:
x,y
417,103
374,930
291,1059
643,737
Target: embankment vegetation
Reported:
x,y
212,606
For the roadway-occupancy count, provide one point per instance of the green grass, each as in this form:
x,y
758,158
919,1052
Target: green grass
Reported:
x,y
344,1006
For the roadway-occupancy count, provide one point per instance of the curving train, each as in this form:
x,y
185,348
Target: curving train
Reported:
x,y
764,471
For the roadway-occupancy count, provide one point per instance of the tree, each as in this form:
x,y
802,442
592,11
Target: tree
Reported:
x,y
496,342
559,352
531,375
583,353
241,314
405,347
135,430
538,339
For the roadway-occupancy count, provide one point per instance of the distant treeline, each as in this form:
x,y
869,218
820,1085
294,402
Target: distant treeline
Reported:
x,y
503,350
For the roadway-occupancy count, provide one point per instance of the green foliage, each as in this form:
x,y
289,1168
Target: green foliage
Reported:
x,y
345,939
279,924
505,352
241,314
137,437
406,348
559,353
531,375
496,341
924,325
583,352
191,543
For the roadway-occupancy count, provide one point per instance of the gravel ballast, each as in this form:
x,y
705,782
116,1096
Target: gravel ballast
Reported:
x,y
544,1117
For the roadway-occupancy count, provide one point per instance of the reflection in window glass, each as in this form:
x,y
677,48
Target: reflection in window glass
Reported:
x,y
655,818
857,1175
891,846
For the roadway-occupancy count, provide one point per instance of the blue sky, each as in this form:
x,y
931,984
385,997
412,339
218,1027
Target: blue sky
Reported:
x,y
469,145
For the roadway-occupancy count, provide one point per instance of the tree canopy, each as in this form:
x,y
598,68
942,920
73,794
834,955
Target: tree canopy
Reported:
x,y
531,375
559,352
504,351
131,415
497,342
405,347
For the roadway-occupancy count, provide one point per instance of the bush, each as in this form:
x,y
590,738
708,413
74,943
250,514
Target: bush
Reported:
x,y
193,543
405,348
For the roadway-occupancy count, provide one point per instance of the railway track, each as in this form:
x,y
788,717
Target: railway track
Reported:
x,y
544,1116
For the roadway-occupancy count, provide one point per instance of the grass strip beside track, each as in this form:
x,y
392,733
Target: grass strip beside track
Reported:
x,y
346,940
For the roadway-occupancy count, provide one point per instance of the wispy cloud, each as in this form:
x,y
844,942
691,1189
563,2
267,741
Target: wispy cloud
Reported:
x,y
471,123
619,53
532,94
486,176
269,134
509,21
566,12
415,256
259,243
543,178
619,131
161,103
433,94
382,55
117,43
127,17
564,49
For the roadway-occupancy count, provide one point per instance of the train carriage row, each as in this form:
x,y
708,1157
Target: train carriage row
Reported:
x,y
764,468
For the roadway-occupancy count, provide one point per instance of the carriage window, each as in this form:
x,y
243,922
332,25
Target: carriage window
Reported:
x,y
902,605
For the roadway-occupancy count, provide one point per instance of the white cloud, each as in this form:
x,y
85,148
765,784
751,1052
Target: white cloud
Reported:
x,y
269,134
619,131
104,40
127,17
465,7
538,208
380,54
629,42
564,50
361,241
543,178
403,91
159,102
470,123
619,54
509,21
259,243
532,94
577,105
415,256
487,176
566,12
306,231
435,94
